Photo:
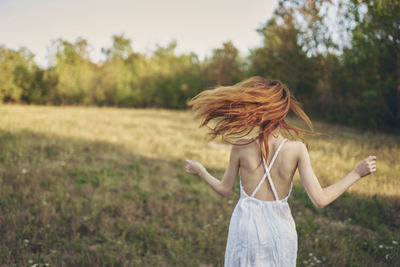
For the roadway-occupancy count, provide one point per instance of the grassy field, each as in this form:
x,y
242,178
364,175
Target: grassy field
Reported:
x,y
86,186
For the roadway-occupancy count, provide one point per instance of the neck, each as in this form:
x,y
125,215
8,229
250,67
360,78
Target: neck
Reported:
x,y
275,137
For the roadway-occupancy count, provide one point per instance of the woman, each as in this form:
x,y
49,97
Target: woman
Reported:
x,y
262,231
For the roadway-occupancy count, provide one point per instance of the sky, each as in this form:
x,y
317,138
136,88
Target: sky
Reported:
x,y
197,26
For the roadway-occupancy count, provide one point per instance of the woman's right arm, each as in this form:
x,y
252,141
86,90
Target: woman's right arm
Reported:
x,y
321,197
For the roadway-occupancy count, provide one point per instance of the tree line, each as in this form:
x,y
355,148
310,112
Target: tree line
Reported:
x,y
353,79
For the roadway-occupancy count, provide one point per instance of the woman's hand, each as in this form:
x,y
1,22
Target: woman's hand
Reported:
x,y
194,167
366,167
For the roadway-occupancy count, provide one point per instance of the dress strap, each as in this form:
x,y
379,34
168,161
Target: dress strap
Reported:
x,y
272,186
274,157
267,169
290,190
259,184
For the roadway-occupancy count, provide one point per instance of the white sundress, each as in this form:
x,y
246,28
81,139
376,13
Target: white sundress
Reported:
x,y
262,233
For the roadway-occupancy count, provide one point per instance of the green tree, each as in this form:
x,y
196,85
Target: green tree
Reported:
x,y
371,65
281,57
76,74
225,66
119,84
171,79
18,72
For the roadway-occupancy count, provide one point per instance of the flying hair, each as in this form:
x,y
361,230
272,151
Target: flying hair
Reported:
x,y
253,103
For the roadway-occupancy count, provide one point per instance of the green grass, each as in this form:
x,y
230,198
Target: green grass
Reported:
x,y
84,186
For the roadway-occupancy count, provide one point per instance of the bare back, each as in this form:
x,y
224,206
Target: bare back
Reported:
x,y
282,171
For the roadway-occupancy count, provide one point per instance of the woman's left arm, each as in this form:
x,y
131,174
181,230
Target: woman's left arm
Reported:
x,y
224,186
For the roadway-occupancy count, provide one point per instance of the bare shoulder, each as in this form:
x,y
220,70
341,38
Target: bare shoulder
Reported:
x,y
294,148
295,144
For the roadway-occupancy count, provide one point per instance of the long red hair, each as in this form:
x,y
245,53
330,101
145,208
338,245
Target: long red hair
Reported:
x,y
255,102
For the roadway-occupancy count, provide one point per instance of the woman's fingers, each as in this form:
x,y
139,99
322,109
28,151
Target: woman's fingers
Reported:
x,y
189,166
372,166
366,166
371,163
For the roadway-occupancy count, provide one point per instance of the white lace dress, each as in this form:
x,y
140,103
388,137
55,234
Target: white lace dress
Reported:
x,y
262,233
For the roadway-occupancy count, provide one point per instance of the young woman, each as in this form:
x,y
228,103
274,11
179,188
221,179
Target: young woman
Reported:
x,y
262,231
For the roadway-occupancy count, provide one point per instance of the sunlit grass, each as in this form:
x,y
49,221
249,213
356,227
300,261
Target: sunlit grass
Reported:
x,y
170,135
106,186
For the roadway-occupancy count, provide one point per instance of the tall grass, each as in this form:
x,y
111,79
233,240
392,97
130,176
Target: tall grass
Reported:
x,y
106,186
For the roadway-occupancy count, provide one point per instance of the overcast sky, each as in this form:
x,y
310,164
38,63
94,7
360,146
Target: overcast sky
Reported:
x,y
197,26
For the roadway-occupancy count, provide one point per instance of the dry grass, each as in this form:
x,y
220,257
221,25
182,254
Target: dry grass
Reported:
x,y
106,186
